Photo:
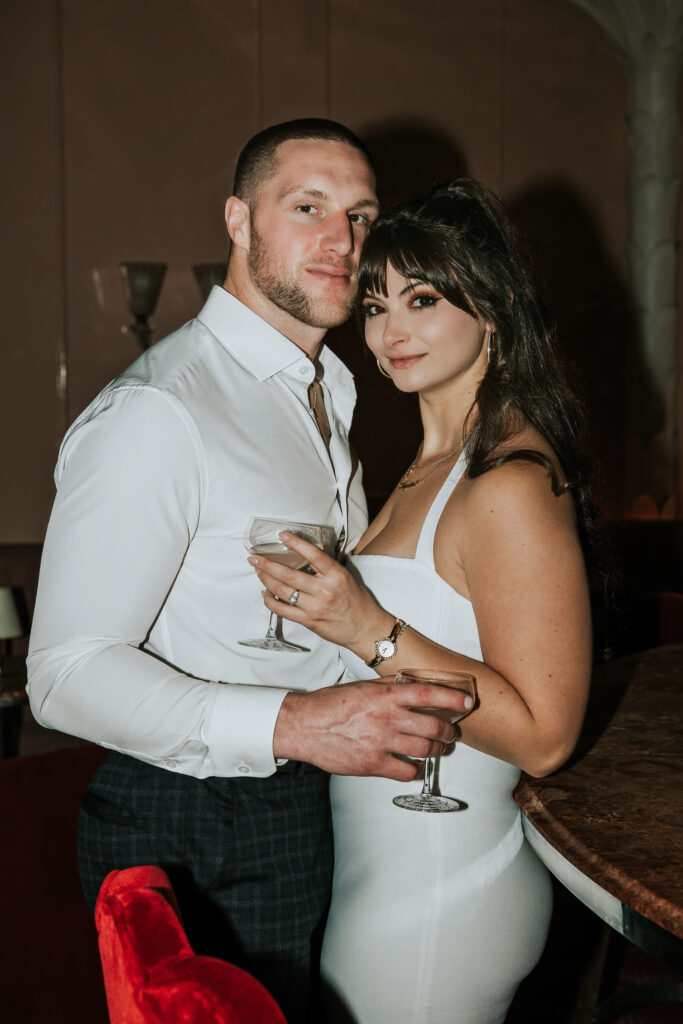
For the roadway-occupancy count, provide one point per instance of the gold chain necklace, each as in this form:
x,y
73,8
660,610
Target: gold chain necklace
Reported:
x,y
405,482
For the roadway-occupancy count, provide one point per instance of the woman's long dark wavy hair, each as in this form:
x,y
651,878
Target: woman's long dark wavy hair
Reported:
x,y
459,240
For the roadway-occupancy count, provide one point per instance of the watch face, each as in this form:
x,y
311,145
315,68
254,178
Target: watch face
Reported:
x,y
386,648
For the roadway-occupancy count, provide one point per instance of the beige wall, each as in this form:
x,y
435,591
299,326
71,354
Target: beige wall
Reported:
x,y
122,122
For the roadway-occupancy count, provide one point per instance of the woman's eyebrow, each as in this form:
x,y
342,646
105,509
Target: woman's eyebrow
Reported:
x,y
411,286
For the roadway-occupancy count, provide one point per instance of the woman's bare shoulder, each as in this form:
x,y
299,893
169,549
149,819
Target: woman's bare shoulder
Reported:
x,y
520,487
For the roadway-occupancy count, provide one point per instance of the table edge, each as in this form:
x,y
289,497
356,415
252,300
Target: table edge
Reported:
x,y
625,889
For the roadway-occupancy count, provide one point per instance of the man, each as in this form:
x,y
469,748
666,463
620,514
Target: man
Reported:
x,y
145,591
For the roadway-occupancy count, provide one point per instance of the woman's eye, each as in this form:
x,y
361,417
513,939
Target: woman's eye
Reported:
x,y
359,218
371,309
307,208
425,301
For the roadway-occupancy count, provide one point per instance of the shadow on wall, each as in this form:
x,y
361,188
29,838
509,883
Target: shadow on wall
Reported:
x,y
410,158
598,331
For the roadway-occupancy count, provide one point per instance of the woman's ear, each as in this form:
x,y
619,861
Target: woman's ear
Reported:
x,y
238,222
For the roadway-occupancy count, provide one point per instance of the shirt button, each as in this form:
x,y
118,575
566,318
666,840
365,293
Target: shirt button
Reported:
x,y
168,763
304,371
243,769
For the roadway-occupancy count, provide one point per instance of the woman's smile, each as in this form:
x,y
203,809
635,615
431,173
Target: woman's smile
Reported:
x,y
403,362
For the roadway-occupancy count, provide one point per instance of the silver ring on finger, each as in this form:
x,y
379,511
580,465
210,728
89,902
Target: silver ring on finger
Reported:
x,y
293,597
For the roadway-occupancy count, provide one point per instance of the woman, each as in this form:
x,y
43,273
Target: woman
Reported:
x,y
436,918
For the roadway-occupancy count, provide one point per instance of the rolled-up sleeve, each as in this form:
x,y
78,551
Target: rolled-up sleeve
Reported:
x,y
131,480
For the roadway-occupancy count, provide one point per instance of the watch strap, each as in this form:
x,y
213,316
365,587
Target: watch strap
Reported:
x,y
397,630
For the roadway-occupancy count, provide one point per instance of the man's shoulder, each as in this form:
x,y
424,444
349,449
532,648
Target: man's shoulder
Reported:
x,y
151,393
187,381
190,368
166,363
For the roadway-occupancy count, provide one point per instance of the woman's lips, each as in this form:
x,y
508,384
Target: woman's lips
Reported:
x,y
405,361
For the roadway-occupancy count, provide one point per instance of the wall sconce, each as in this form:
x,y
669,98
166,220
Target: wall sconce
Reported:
x,y
142,284
209,274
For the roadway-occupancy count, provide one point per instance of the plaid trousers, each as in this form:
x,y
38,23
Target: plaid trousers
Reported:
x,y
250,860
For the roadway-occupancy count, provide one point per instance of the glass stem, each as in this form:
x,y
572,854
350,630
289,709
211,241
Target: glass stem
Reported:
x,y
427,781
272,626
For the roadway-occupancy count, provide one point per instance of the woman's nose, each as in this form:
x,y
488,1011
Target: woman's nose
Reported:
x,y
394,331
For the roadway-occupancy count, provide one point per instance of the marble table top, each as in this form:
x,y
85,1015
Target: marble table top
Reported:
x,y
609,825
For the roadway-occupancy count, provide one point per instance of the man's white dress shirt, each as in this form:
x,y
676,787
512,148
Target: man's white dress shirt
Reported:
x,y
144,587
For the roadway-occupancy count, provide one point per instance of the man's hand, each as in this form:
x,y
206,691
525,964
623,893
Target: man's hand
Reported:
x,y
355,728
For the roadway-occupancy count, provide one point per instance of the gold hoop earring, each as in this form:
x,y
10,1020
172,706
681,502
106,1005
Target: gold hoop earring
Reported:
x,y
383,371
489,345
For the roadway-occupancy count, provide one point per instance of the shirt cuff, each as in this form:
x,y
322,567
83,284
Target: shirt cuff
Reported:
x,y
239,729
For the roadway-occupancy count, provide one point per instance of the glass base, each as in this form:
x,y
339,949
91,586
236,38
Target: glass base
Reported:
x,y
430,804
270,644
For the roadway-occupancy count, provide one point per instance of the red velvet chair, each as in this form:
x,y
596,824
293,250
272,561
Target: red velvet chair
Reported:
x,y
151,975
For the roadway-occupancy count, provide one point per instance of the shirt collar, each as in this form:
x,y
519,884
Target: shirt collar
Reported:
x,y
265,352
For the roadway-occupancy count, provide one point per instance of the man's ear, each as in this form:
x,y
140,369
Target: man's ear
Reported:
x,y
238,222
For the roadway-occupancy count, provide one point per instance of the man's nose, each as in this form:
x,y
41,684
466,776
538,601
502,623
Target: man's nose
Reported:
x,y
338,235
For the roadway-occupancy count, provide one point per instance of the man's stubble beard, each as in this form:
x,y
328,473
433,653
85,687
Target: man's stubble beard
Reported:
x,y
281,288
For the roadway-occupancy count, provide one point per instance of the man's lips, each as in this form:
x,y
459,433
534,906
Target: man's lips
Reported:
x,y
331,275
404,362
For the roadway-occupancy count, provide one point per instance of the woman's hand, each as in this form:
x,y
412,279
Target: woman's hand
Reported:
x,y
330,601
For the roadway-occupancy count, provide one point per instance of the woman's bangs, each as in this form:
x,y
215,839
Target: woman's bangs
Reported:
x,y
372,269
417,255
428,257
410,251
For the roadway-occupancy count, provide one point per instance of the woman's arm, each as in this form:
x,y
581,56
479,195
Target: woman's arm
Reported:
x,y
509,545
521,561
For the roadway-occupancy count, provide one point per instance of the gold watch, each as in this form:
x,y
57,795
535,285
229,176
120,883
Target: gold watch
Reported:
x,y
386,647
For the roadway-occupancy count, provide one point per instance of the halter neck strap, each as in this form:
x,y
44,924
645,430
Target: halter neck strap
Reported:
x,y
425,544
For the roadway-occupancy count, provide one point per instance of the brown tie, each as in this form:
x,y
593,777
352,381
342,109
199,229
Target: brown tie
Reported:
x,y
317,404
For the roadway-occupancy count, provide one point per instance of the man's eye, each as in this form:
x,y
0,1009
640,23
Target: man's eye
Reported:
x,y
307,208
425,301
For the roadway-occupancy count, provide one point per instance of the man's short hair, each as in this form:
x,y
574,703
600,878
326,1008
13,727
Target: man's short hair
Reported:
x,y
257,160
